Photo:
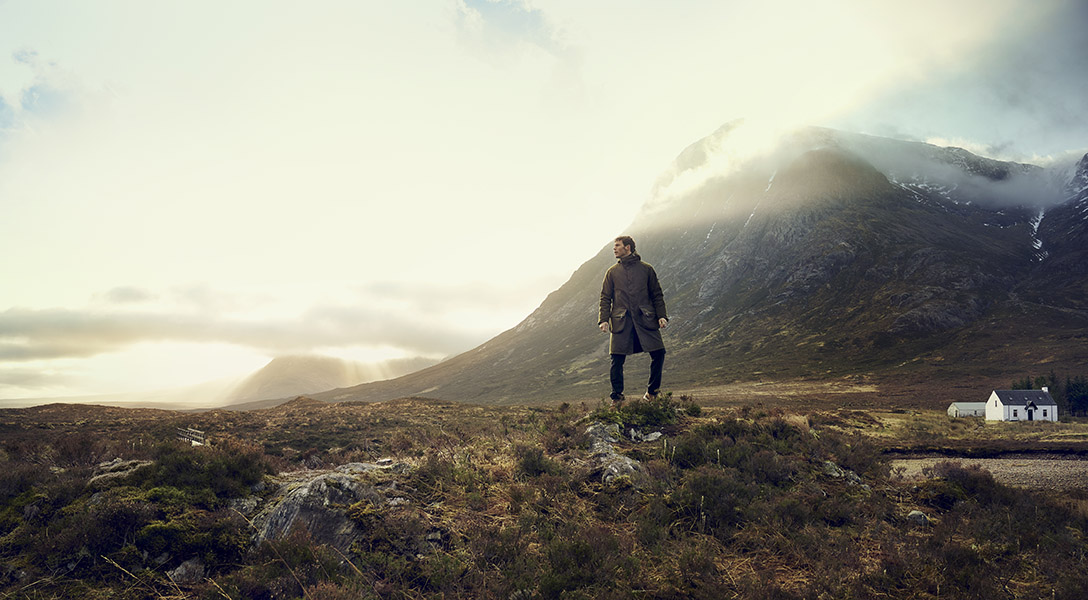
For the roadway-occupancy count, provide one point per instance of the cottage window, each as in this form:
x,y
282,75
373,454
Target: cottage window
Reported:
x,y
1044,412
1014,412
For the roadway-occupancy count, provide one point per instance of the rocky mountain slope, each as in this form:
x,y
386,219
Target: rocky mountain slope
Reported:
x,y
826,255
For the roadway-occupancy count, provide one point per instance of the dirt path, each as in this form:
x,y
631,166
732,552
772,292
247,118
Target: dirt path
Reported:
x,y
1055,474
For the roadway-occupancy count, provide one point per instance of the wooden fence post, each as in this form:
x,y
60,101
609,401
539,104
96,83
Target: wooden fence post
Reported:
x,y
193,436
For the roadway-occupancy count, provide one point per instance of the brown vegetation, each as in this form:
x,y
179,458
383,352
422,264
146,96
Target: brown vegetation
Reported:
x,y
742,502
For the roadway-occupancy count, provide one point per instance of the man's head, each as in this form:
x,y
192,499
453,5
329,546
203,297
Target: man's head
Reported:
x,y
623,246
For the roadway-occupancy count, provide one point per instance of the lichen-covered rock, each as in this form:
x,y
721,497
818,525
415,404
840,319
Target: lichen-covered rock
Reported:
x,y
836,471
918,518
637,436
319,505
319,502
112,470
607,464
188,572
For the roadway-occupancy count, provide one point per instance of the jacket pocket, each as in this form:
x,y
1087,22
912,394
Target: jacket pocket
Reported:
x,y
618,320
648,316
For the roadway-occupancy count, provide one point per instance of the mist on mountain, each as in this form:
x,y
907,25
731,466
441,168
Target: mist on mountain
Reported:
x,y
293,375
757,152
281,379
815,255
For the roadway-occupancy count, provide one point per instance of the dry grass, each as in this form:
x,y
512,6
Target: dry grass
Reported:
x,y
743,506
912,428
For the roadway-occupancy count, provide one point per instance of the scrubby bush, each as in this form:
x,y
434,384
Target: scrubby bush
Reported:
x,y
208,475
971,481
592,560
283,568
532,461
659,412
712,500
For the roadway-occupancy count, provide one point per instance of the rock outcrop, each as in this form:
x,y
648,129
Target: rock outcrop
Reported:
x,y
319,501
918,519
606,463
117,468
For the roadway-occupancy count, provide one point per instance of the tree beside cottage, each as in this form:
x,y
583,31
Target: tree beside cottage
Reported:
x,y
1021,405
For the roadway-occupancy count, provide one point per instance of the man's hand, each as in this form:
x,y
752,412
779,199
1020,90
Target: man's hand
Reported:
x,y
662,322
604,326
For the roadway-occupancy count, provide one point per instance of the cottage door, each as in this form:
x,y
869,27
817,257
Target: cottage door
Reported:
x,y
1031,415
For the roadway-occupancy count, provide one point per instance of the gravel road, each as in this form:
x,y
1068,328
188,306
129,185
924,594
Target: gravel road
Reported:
x,y
1056,474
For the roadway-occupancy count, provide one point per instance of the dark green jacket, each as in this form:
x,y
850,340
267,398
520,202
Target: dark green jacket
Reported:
x,y
632,302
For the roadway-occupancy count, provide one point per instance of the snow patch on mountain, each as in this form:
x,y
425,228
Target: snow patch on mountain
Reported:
x,y
1037,243
756,207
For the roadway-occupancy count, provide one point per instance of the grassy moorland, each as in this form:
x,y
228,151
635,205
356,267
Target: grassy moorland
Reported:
x,y
902,431
502,503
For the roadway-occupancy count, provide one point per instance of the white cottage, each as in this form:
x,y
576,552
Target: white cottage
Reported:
x,y
967,409
1021,405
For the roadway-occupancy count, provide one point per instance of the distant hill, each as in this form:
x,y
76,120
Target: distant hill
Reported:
x,y
294,375
289,376
826,256
281,379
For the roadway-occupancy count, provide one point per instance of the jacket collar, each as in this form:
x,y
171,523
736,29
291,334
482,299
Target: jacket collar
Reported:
x,y
630,258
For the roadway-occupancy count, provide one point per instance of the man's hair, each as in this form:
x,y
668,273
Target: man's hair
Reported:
x,y
626,241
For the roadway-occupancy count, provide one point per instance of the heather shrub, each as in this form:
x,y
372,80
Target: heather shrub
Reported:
x,y
207,474
283,568
712,500
533,463
659,412
560,434
769,467
971,481
590,559
216,538
857,453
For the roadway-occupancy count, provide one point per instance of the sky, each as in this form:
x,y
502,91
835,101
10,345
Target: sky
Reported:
x,y
188,189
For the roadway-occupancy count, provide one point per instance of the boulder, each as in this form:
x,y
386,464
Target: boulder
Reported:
x,y
188,572
319,505
606,463
918,518
838,472
109,471
319,502
637,436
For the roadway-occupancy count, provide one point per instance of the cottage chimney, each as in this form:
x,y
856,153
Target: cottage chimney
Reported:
x,y
1046,389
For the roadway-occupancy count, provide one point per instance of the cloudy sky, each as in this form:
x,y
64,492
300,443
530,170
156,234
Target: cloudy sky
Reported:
x,y
190,188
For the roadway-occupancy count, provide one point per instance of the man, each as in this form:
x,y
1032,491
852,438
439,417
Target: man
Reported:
x,y
633,311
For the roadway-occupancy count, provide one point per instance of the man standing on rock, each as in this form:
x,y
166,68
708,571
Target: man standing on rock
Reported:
x,y
633,310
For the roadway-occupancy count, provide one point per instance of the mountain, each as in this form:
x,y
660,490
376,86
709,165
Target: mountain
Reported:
x,y
824,255
290,376
1064,236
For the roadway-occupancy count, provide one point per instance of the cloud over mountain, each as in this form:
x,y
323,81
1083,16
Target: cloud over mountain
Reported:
x,y
417,147
425,320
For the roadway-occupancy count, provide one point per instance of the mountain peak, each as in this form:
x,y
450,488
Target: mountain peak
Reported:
x,y
747,149
814,254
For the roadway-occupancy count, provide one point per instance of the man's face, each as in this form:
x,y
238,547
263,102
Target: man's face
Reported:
x,y
620,250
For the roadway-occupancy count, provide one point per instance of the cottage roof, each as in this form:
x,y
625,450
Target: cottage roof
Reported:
x,y
1023,397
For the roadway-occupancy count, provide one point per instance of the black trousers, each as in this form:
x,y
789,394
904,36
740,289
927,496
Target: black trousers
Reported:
x,y
653,386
